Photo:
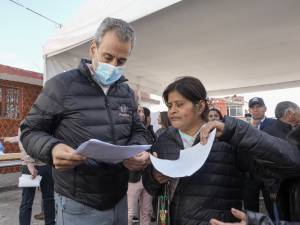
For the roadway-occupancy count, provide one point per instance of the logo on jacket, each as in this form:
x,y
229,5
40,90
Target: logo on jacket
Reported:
x,y
124,111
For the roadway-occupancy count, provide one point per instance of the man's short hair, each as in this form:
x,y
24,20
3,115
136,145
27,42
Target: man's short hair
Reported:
x,y
282,108
256,101
123,30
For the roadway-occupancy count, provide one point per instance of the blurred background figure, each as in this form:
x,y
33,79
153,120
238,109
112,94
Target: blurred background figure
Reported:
x,y
1,148
34,168
138,197
258,109
252,185
147,122
248,117
41,215
288,196
163,121
214,114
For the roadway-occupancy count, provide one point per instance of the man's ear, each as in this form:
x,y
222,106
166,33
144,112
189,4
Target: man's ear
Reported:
x,y
290,114
93,48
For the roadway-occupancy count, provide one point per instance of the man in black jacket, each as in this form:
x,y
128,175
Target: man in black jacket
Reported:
x,y
288,196
257,109
92,101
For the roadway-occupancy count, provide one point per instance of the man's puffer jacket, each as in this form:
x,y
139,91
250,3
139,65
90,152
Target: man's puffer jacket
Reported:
x,y
71,109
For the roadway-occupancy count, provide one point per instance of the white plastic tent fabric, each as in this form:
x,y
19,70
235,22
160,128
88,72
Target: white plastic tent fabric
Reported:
x,y
64,51
233,46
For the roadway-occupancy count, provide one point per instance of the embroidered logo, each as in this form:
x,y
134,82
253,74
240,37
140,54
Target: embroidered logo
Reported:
x,y
124,111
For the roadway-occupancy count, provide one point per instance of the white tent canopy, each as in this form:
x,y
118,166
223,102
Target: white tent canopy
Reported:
x,y
233,46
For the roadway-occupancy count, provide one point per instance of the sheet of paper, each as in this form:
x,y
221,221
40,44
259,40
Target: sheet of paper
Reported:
x,y
26,181
190,160
109,153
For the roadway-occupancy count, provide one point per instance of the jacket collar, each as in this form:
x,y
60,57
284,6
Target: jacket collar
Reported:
x,y
294,136
285,126
173,133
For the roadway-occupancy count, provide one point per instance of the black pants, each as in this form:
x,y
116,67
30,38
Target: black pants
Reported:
x,y
47,190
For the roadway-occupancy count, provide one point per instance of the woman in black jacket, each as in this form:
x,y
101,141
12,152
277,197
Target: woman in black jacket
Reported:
x,y
214,189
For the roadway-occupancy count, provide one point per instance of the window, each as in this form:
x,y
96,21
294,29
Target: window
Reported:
x,y
235,110
9,102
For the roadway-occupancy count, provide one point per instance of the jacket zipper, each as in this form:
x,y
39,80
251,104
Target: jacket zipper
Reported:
x,y
74,181
107,106
110,118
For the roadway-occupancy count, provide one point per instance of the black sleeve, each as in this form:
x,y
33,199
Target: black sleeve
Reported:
x,y
274,154
38,127
254,218
150,184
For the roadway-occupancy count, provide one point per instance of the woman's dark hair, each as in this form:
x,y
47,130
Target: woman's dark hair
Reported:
x,y
190,88
217,111
165,122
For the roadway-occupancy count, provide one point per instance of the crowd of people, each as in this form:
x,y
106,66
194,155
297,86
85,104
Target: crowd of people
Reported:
x,y
94,101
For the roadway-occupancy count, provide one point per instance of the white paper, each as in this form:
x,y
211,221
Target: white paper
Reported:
x,y
26,181
109,153
190,160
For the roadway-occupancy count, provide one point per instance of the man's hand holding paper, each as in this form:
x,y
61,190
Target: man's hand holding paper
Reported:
x,y
134,157
65,157
138,162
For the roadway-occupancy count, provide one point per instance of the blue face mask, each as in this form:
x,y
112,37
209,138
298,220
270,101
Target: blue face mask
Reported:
x,y
107,74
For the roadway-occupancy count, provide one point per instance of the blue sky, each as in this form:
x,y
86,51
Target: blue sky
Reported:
x,y
23,33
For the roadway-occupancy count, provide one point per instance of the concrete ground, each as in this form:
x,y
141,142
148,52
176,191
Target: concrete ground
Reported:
x,y
10,197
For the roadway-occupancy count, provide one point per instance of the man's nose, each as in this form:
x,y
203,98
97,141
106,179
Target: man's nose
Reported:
x,y
114,62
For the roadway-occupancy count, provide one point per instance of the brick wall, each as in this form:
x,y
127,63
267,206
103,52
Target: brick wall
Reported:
x,y
218,103
9,127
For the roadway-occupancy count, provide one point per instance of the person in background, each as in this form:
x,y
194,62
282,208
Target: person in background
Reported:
x,y
288,195
253,185
163,121
214,114
34,168
41,215
257,109
148,125
2,149
137,195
